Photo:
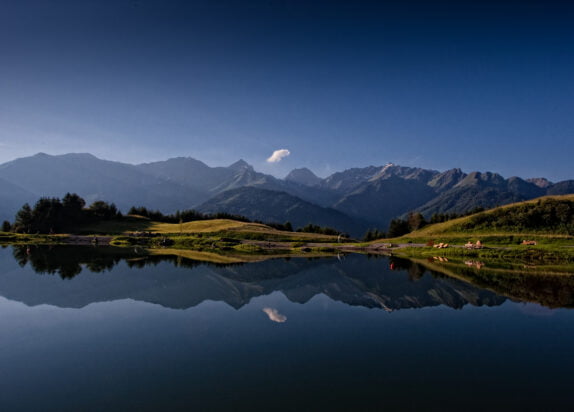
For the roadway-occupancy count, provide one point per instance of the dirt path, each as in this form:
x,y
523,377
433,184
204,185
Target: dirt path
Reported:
x,y
344,247
267,245
89,240
382,248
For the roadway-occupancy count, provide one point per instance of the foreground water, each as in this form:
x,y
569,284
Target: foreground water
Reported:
x,y
94,329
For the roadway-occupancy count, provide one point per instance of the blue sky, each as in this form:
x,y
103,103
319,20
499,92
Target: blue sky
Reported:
x,y
480,86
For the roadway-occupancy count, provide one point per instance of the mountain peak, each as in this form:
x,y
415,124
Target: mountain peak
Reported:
x,y
303,176
482,178
81,156
184,160
541,182
240,165
447,179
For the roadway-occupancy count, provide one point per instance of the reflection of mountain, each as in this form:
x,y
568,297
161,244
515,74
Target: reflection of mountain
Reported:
x,y
355,280
365,282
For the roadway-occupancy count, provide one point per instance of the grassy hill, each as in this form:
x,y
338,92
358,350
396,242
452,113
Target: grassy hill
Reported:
x,y
546,218
232,228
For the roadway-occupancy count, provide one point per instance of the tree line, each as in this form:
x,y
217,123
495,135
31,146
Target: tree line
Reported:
x,y
398,227
414,221
183,216
54,215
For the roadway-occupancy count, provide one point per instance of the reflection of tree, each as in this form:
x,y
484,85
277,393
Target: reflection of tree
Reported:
x,y
48,260
67,261
101,265
154,260
415,270
20,255
68,271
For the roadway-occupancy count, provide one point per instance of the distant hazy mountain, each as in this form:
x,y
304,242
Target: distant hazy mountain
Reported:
x,y
207,181
12,197
272,206
188,172
210,181
373,194
303,176
95,179
385,198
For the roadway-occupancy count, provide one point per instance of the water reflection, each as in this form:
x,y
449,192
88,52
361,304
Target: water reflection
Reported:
x,y
373,282
69,261
551,286
128,354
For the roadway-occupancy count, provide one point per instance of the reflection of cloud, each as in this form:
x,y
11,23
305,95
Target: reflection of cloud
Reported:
x,y
274,315
278,155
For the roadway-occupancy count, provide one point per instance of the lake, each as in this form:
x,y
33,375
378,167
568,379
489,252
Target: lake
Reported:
x,y
111,329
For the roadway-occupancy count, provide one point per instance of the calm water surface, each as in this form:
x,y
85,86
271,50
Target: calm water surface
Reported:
x,y
95,329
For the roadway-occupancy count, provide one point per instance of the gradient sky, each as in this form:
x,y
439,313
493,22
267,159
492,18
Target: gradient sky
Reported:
x,y
480,86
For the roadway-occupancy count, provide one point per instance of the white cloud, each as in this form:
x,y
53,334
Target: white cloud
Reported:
x,y
274,315
278,155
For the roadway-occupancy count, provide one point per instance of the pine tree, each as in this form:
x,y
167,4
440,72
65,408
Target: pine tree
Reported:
x,y
23,220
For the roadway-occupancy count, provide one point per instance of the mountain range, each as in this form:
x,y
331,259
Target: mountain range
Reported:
x,y
351,200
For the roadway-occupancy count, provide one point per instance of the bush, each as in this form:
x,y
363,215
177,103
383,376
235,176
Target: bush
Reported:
x,y
373,234
398,227
6,226
311,228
